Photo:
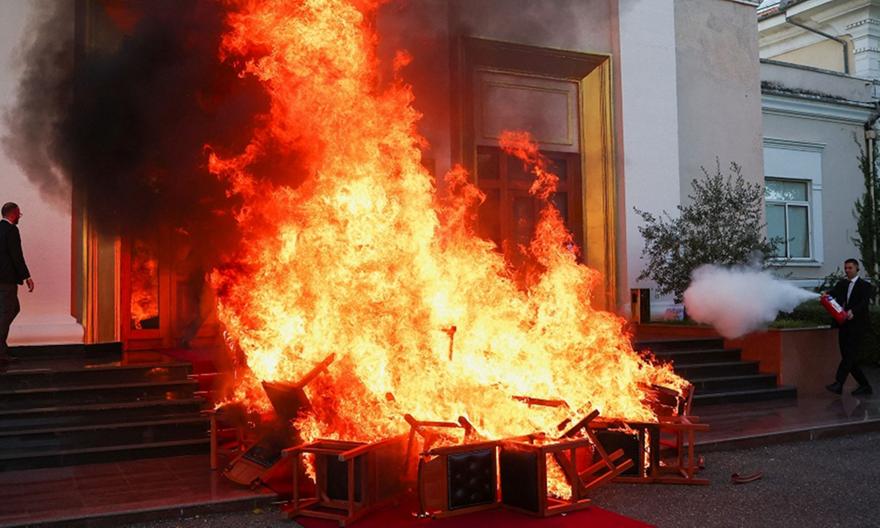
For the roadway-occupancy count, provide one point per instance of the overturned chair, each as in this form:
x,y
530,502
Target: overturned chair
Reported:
x,y
462,474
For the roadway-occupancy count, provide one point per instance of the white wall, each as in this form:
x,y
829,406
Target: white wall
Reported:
x,y
650,146
45,227
719,88
841,181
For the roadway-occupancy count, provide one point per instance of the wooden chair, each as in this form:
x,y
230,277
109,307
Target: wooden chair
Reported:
x,y
458,479
231,432
666,448
584,461
680,441
444,471
351,478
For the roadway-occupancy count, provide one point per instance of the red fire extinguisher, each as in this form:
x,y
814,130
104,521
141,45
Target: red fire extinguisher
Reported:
x,y
834,308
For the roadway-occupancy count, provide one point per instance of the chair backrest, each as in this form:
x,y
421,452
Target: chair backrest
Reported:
x,y
687,399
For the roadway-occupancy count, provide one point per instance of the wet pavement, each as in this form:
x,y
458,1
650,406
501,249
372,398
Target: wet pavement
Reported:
x,y
820,484
126,487
827,478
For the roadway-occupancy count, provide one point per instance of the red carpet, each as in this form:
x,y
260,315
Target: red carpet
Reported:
x,y
400,517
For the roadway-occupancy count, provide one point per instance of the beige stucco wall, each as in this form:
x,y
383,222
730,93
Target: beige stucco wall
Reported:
x,y
826,54
719,95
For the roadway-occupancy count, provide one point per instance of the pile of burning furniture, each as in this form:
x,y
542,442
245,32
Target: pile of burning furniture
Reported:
x,y
452,469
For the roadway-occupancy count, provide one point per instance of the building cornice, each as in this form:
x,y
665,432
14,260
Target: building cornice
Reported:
x,y
869,21
850,113
776,36
793,145
823,71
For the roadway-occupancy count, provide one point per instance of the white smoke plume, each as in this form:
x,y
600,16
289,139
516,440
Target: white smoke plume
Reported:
x,y
739,300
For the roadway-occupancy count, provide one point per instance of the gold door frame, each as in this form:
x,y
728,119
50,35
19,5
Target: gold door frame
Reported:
x,y
593,74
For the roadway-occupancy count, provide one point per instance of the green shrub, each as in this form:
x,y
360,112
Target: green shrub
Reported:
x,y
809,312
722,225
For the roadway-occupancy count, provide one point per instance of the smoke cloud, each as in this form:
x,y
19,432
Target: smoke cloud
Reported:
x,y
739,300
123,114
43,62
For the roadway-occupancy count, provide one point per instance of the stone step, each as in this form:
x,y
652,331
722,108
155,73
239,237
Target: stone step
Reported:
x,y
89,455
99,393
662,345
719,374
63,415
15,442
66,351
73,404
717,369
734,383
739,396
690,357
35,375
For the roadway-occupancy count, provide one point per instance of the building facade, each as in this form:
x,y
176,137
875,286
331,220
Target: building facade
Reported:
x,y
819,83
631,97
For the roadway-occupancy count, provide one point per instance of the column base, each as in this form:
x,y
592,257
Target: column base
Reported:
x,y
45,331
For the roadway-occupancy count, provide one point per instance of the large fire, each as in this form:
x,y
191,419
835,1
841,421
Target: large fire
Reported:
x,y
367,261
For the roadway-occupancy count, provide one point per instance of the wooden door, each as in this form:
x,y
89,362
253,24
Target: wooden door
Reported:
x,y
165,301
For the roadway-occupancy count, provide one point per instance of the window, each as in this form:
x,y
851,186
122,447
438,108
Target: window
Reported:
x,y
788,217
509,214
793,185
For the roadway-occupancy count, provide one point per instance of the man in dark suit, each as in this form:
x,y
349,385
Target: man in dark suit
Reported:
x,y
13,271
853,294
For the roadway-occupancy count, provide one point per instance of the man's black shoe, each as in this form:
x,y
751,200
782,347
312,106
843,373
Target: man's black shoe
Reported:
x,y
835,387
864,390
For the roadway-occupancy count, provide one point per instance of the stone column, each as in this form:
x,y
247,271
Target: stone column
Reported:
x,y
866,46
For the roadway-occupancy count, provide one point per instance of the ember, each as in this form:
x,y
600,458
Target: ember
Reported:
x,y
368,261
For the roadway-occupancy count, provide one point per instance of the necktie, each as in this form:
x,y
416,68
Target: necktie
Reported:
x,y
849,290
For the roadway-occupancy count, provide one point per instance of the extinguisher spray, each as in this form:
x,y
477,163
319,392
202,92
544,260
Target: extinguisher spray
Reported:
x,y
834,308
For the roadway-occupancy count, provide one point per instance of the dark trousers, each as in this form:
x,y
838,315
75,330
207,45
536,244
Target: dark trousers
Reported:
x,y
849,338
9,308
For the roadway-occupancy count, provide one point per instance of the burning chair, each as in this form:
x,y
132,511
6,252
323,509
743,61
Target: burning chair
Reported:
x,y
258,454
351,478
462,478
582,458
453,479
662,451
682,426
233,430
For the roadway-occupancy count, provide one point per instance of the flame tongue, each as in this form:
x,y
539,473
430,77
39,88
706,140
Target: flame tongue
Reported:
x,y
363,261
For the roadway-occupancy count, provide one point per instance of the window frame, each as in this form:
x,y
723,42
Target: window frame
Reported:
x,y
800,160
792,203
509,189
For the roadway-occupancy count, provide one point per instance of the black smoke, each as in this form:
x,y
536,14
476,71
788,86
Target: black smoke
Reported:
x,y
124,113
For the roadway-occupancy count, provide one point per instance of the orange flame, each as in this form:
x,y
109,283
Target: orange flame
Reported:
x,y
364,260
144,302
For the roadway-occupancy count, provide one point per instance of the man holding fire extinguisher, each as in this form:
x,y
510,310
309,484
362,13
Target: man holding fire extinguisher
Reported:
x,y
852,294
